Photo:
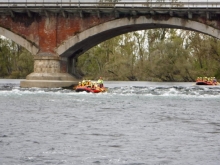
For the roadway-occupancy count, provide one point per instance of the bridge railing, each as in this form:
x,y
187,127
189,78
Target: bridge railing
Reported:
x,y
115,3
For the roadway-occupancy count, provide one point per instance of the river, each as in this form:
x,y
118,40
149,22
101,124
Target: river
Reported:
x,y
134,123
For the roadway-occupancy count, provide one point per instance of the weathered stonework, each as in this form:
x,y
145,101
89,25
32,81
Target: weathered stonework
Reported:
x,y
46,33
46,64
47,74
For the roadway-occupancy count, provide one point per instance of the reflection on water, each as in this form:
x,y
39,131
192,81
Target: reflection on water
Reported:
x,y
134,123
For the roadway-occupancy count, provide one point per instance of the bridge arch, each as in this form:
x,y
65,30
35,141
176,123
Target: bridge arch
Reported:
x,y
85,40
19,40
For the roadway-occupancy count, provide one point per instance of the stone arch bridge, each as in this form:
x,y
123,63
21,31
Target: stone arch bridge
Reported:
x,y
56,33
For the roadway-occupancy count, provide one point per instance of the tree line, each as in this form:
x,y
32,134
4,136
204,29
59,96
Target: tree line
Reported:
x,y
148,55
153,55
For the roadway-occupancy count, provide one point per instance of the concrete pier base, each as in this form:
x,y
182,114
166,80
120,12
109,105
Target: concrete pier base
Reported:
x,y
47,74
49,80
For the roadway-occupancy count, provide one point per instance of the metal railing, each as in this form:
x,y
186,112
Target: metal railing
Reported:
x,y
123,3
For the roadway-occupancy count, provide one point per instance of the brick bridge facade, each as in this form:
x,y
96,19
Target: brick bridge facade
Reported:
x,y
56,39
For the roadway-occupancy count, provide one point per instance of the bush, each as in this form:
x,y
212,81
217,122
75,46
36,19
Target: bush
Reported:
x,y
15,75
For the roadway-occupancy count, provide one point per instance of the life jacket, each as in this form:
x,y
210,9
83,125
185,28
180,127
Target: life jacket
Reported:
x,y
100,81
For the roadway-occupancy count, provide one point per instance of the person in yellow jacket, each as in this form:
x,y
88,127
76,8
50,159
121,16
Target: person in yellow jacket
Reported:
x,y
100,82
214,81
89,83
80,84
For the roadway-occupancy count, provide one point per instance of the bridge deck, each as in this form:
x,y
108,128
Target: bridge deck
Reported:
x,y
131,8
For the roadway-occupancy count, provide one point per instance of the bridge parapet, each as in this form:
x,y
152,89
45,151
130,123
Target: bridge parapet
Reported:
x,y
121,3
122,8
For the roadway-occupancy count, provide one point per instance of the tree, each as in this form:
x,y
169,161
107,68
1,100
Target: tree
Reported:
x,y
5,58
155,55
15,61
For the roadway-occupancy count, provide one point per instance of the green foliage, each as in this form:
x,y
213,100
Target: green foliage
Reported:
x,y
25,63
15,61
154,55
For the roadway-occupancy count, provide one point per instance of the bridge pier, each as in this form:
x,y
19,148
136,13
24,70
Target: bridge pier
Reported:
x,y
72,63
49,72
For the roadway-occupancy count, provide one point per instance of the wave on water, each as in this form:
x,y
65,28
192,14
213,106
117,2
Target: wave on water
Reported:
x,y
169,91
125,90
